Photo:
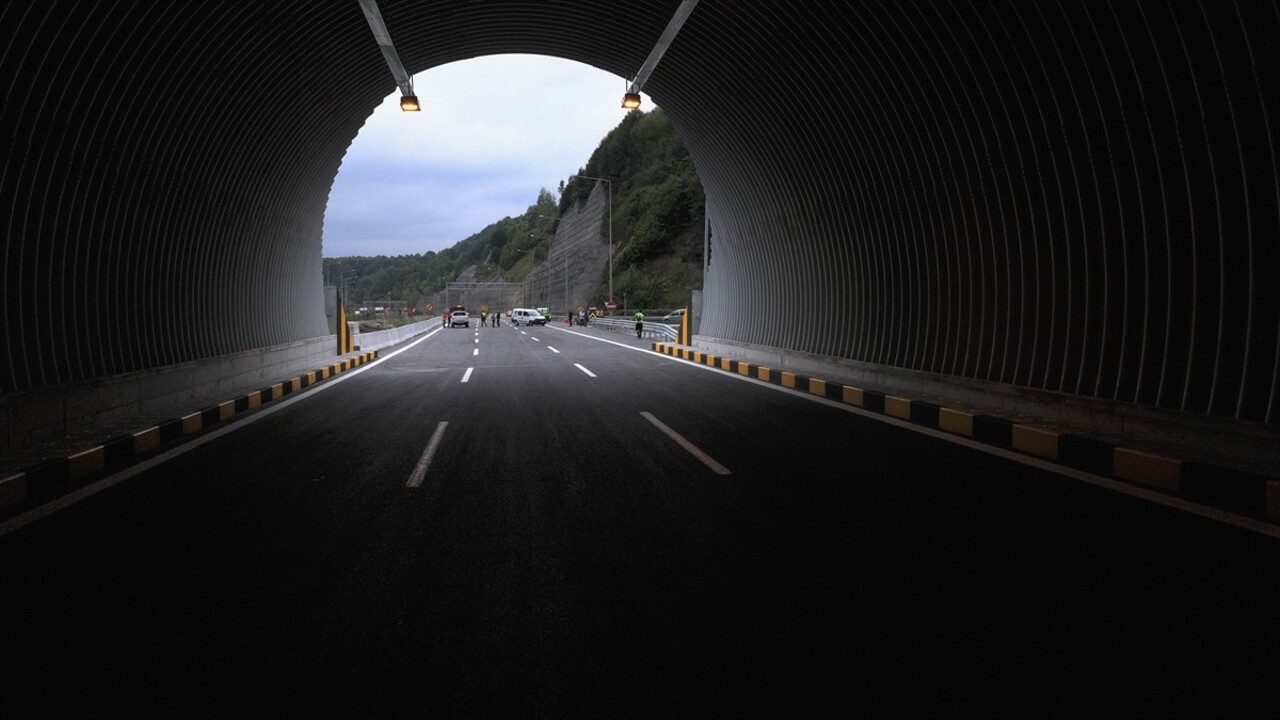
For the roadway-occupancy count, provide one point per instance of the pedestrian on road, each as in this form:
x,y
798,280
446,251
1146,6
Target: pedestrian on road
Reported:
x,y
639,323
483,315
497,318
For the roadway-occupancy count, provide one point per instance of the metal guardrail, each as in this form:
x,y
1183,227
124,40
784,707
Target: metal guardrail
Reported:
x,y
651,329
385,338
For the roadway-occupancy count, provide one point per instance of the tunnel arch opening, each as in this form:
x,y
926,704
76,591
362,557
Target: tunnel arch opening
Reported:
x,y
937,181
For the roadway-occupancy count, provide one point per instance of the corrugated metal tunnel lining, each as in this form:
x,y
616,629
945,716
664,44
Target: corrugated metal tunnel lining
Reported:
x,y
1077,197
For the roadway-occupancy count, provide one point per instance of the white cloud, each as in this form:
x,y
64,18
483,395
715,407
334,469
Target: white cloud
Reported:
x,y
492,132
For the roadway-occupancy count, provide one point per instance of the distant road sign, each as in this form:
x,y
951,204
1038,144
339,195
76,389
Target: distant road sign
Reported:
x,y
611,305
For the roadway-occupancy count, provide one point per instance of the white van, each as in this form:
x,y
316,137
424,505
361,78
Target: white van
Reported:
x,y
526,317
672,318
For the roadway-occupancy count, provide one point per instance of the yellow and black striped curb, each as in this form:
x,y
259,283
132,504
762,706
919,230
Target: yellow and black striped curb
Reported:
x,y
50,478
1240,492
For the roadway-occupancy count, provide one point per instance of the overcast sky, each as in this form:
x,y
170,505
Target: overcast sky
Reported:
x,y
492,132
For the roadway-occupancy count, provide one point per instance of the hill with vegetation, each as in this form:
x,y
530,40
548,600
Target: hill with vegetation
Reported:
x,y
658,208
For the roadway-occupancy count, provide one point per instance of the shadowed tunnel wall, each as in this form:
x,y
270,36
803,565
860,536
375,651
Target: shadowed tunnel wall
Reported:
x,y
1079,197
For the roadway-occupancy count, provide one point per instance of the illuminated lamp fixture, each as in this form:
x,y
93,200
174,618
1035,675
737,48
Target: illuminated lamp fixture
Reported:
x,y
408,100
631,100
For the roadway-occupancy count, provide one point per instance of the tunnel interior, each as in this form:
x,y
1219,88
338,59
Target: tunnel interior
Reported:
x,y
1078,198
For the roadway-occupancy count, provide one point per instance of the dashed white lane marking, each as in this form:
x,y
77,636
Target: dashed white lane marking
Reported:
x,y
588,372
420,471
553,350
690,447
467,375
64,501
476,351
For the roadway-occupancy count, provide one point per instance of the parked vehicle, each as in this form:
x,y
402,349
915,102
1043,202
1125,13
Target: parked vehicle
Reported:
x,y
672,318
459,317
527,317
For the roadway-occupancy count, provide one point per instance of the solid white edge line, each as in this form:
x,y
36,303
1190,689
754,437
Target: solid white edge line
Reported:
x,y
1211,513
690,447
420,470
1159,498
64,501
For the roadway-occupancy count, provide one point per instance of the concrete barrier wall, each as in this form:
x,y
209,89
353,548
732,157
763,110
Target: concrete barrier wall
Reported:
x,y
385,338
1246,446
30,418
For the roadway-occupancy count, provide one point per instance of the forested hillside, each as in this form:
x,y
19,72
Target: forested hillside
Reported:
x,y
657,229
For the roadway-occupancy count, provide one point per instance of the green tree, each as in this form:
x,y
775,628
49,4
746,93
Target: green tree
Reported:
x,y
498,240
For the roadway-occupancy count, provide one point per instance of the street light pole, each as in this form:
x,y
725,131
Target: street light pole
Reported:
x,y
343,277
549,268
549,256
609,186
564,256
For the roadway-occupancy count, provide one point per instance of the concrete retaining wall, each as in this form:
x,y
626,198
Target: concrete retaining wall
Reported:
x,y
1240,445
30,418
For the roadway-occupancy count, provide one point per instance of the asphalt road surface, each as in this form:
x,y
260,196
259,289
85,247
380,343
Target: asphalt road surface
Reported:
x,y
541,522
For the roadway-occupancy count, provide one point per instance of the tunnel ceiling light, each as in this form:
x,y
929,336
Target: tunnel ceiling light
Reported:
x,y
408,100
631,100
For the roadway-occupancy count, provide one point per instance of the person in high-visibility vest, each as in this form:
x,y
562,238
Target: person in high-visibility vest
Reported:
x,y
639,323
